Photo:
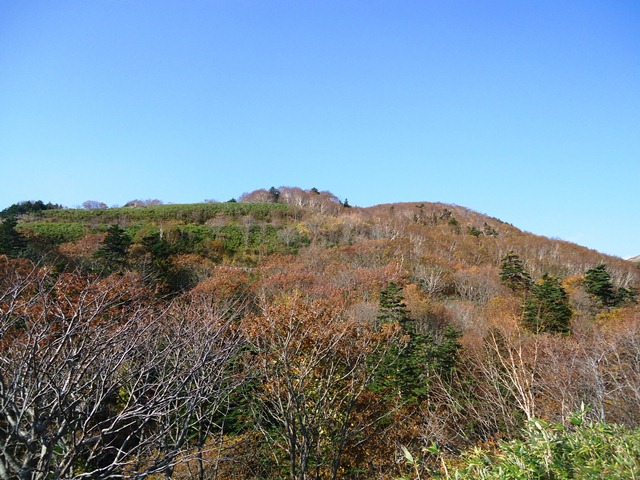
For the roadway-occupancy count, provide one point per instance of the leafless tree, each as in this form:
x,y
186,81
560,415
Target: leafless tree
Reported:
x,y
97,384
432,279
143,203
260,195
93,205
476,284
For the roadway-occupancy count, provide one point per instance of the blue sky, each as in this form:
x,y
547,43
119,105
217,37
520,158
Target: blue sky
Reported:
x,y
528,111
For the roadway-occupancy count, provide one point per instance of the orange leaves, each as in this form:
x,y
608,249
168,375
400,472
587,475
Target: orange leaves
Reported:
x,y
83,248
293,320
35,295
224,282
314,362
73,291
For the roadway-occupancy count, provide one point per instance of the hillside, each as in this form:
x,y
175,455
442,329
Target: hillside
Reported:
x,y
304,335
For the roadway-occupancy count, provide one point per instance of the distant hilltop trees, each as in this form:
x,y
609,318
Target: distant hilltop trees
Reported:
x,y
324,201
143,203
23,208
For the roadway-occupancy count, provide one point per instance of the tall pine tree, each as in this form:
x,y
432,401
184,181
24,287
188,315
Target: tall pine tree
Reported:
x,y
114,249
391,306
513,273
597,282
547,308
405,370
12,243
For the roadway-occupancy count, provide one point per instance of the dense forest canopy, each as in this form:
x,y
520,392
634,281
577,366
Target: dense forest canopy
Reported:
x,y
290,335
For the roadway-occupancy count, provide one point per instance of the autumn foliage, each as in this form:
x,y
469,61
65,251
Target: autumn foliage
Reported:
x,y
299,338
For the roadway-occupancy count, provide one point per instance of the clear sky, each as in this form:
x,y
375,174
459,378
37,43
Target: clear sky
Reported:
x,y
525,110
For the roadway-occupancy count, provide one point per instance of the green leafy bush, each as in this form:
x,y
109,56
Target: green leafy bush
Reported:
x,y
551,451
189,213
56,232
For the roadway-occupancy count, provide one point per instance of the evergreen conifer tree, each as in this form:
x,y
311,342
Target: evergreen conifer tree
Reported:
x,y
513,274
12,243
597,282
392,306
399,374
407,366
114,249
275,194
547,309
445,353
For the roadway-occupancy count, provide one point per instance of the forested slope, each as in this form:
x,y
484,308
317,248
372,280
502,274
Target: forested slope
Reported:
x,y
291,335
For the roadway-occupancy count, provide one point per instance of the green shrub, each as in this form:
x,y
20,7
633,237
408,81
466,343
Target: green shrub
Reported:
x,y
186,213
551,451
56,232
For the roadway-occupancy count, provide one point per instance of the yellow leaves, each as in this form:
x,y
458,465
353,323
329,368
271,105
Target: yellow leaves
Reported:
x,y
572,283
606,318
619,320
504,311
